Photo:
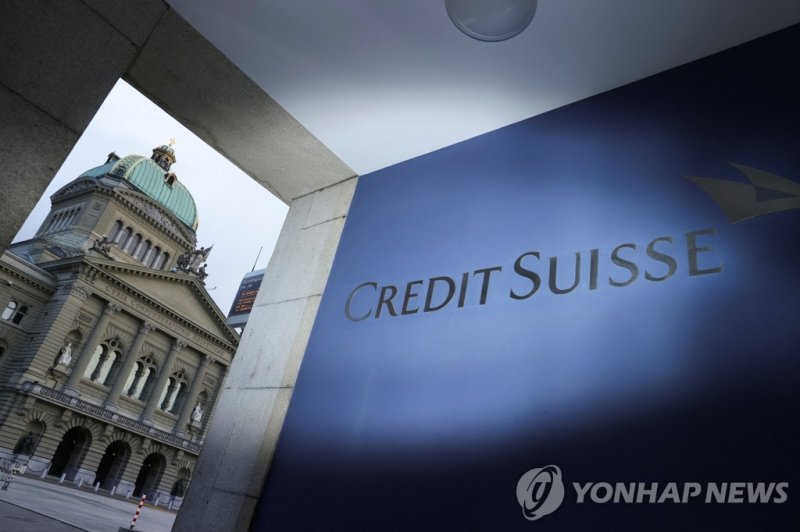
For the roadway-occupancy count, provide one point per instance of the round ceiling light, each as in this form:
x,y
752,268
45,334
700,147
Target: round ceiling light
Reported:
x,y
491,20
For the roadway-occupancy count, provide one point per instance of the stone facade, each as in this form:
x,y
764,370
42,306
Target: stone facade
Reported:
x,y
112,356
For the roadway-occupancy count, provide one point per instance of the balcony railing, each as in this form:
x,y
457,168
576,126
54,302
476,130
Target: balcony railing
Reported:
x,y
99,412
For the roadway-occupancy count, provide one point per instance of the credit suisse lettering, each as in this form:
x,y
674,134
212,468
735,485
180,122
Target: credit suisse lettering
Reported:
x,y
655,261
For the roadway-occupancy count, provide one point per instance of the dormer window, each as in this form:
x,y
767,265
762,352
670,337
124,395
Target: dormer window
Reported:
x,y
170,178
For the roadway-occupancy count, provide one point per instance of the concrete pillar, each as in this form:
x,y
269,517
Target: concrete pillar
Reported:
x,y
243,433
127,366
71,387
191,397
163,374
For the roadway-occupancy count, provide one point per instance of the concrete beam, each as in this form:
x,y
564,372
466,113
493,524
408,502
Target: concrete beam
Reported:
x,y
195,83
238,450
32,147
58,62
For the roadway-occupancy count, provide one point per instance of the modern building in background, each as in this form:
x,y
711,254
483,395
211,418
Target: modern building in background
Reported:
x,y
112,352
245,298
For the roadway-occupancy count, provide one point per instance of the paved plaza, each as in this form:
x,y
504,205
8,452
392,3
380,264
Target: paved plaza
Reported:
x,y
33,505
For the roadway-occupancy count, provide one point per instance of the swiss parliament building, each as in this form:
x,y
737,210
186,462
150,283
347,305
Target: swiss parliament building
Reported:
x,y
112,352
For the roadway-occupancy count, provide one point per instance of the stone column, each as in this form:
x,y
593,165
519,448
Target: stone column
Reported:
x,y
127,366
163,375
191,397
244,427
71,387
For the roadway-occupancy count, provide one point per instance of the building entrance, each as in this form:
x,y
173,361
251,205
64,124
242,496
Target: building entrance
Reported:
x,y
150,476
70,453
112,465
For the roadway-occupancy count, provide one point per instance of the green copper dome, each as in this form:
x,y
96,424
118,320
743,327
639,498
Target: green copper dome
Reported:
x,y
147,176
152,176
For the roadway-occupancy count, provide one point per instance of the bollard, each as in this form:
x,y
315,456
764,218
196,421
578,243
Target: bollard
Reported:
x,y
63,476
96,486
9,477
138,511
113,490
80,482
128,496
45,471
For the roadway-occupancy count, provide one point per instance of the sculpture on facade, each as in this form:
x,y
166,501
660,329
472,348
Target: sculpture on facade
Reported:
x,y
197,413
65,356
194,262
103,246
201,273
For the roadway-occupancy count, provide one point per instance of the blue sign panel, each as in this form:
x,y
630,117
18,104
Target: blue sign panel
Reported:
x,y
589,319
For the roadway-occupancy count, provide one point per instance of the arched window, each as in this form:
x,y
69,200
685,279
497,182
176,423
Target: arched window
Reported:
x,y
116,232
27,443
179,488
104,373
155,257
73,216
62,217
52,225
126,238
141,378
144,249
164,261
94,362
9,311
175,393
179,398
21,311
49,226
133,247
14,312
136,370
105,358
163,401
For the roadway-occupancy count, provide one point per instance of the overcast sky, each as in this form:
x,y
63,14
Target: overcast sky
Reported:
x,y
237,215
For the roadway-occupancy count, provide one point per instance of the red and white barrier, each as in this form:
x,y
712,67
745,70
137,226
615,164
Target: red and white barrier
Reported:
x,y
138,511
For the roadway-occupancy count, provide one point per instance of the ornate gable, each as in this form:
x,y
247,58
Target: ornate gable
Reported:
x,y
74,187
180,298
157,214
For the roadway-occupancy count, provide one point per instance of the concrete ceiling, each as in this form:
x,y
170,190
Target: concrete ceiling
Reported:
x,y
381,81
